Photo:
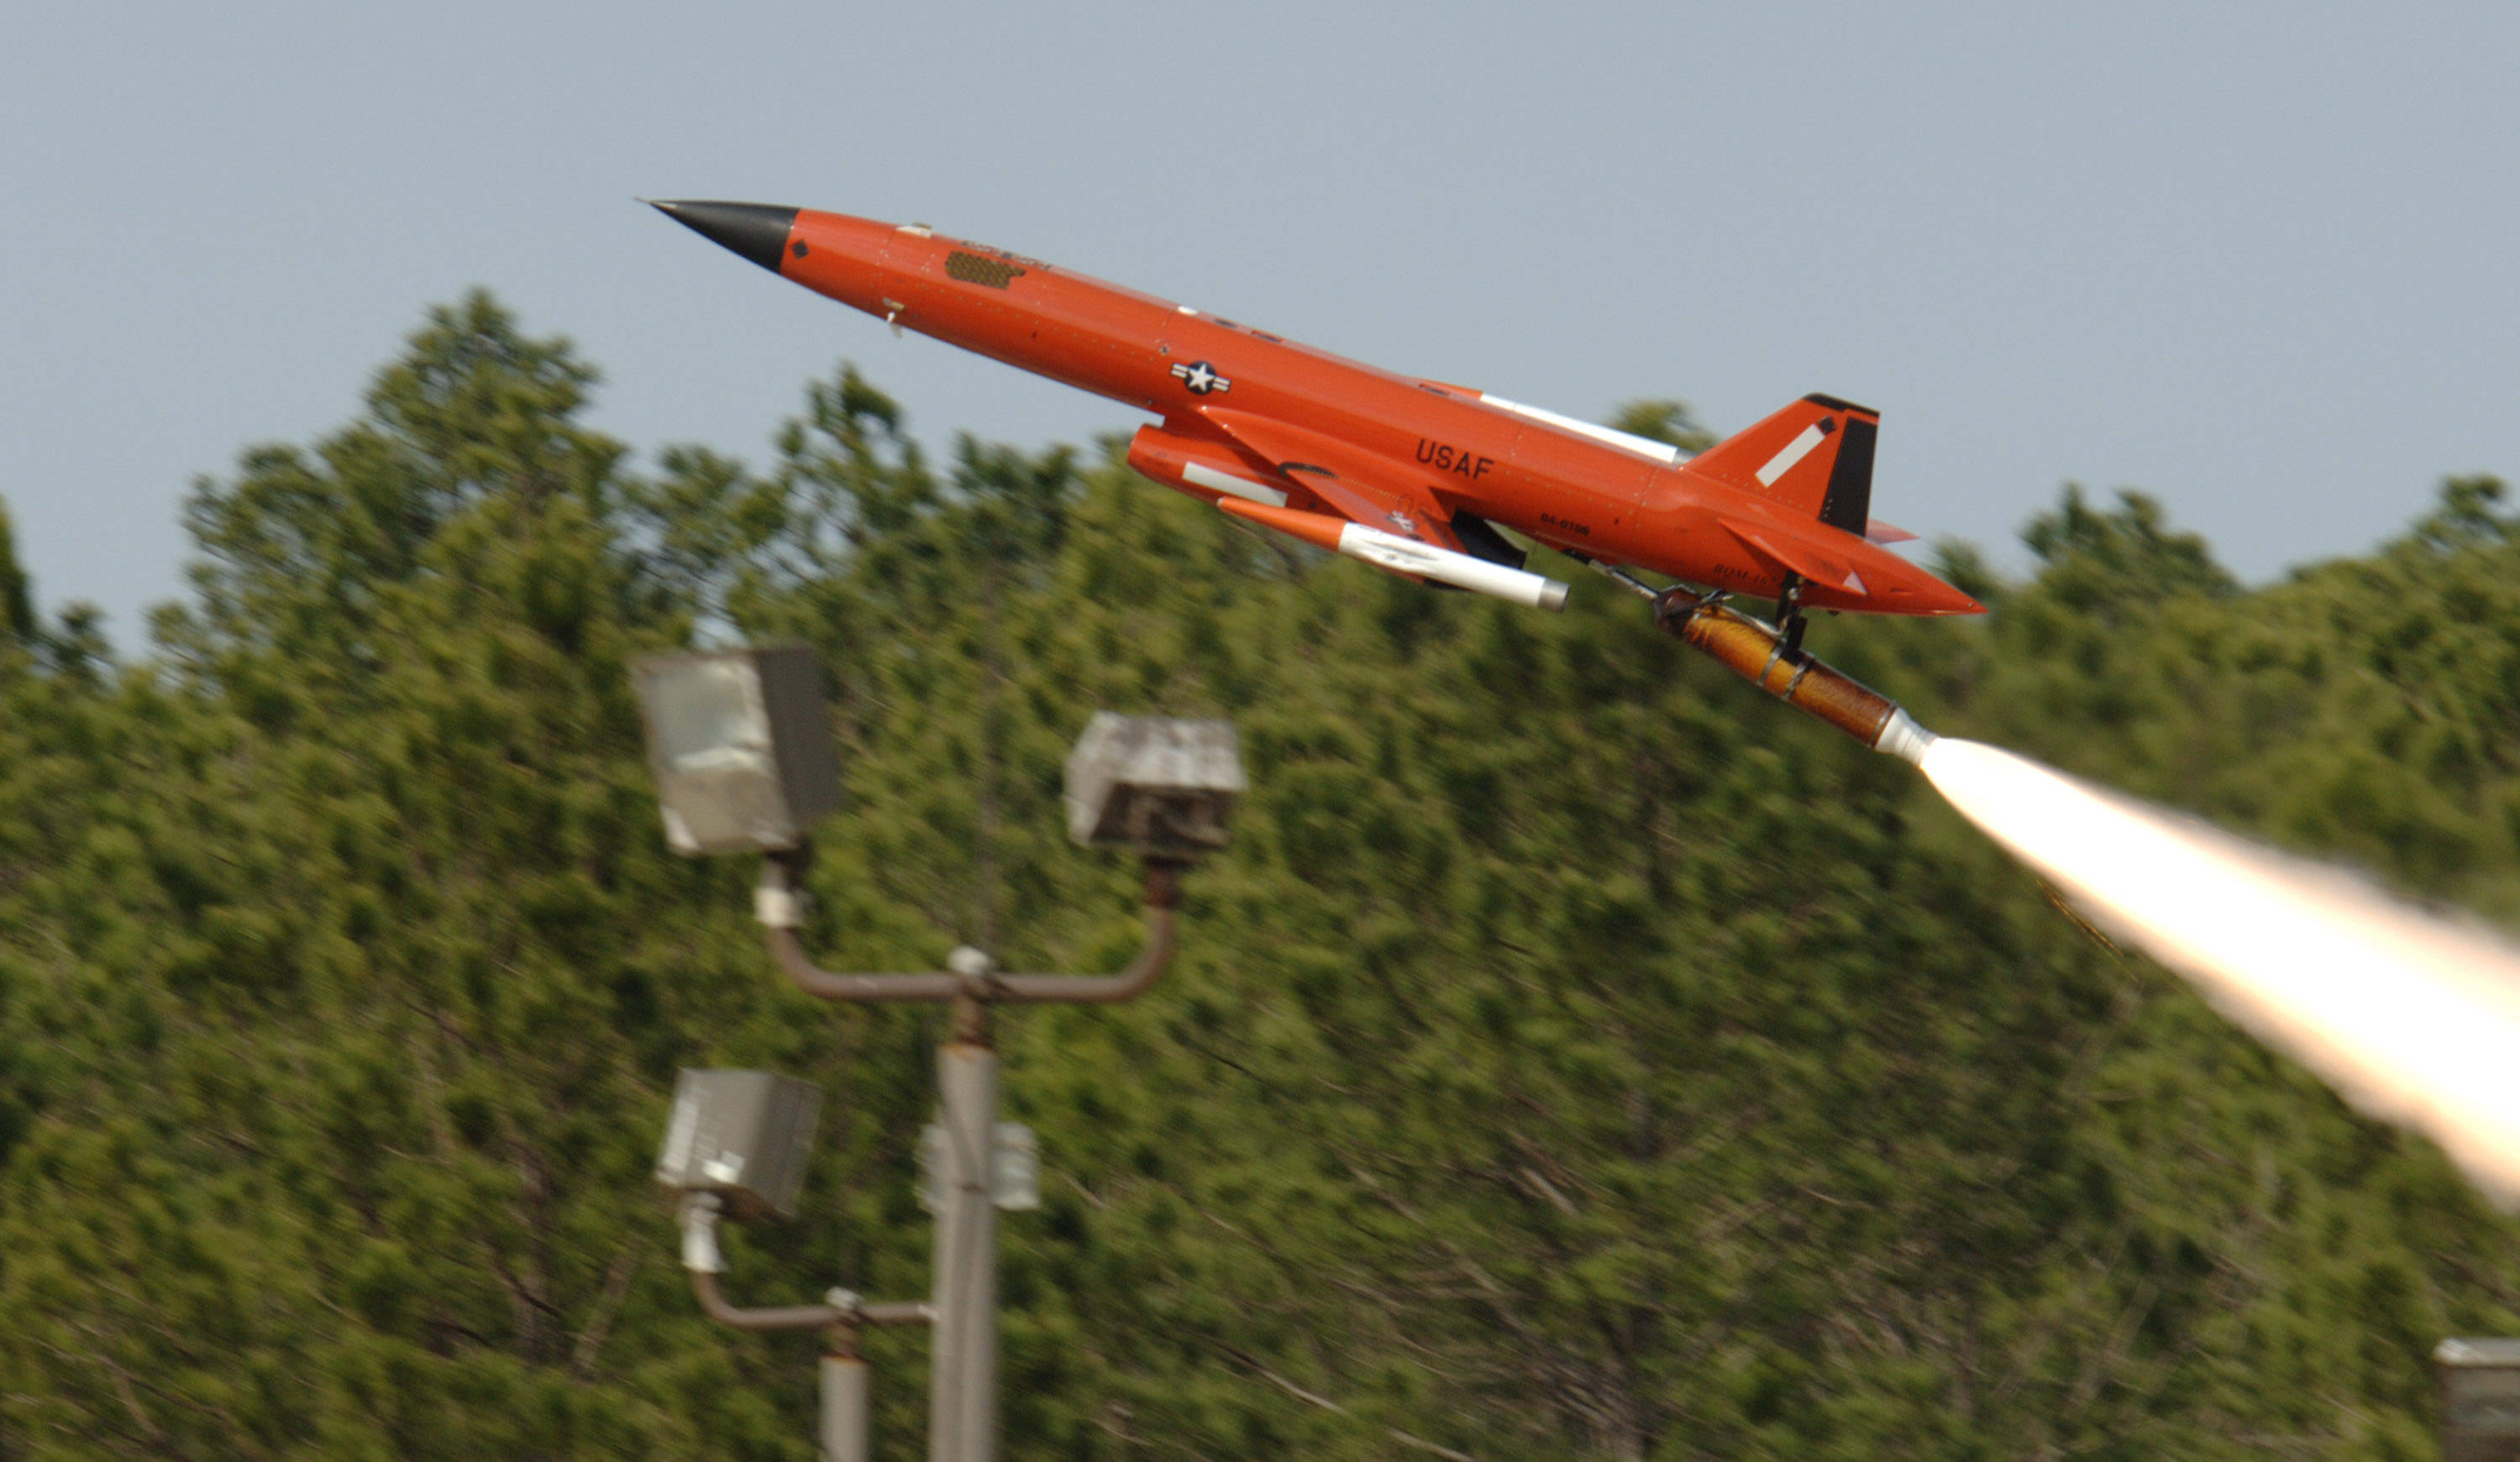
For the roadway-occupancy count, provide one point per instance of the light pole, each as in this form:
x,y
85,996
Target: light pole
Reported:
x,y
736,1146
742,755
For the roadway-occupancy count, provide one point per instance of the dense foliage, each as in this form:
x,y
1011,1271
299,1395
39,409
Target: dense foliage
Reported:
x,y
1574,1057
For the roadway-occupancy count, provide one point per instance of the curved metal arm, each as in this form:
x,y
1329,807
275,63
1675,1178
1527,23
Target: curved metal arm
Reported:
x,y
1098,989
807,977
804,1316
774,903
779,1318
701,1257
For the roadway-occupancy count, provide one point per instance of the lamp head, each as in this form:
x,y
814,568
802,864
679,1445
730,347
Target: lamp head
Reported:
x,y
741,746
1163,785
744,1135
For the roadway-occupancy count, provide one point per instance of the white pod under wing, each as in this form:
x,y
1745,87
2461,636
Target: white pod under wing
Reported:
x,y
1460,570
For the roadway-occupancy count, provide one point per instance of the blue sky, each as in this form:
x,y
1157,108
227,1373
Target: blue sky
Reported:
x,y
2257,260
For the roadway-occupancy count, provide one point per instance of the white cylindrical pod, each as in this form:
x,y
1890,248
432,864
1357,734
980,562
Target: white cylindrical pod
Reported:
x,y
1409,556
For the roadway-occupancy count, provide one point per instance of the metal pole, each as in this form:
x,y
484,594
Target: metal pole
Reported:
x,y
962,1412
962,1423
844,1408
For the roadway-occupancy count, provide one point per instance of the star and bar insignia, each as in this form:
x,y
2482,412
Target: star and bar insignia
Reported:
x,y
1201,378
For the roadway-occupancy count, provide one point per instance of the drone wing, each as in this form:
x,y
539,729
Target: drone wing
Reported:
x,y
1358,485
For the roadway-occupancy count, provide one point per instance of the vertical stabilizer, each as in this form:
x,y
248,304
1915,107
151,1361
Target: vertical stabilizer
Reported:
x,y
1814,459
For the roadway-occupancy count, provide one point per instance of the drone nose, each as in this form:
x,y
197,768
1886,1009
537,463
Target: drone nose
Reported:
x,y
756,231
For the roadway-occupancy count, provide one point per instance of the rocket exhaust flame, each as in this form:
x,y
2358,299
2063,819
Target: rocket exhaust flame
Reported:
x,y
2411,1017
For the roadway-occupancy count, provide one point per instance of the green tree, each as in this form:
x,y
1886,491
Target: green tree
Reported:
x,y
17,602
1664,420
1574,1057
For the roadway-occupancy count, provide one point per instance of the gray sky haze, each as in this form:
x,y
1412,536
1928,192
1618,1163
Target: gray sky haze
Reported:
x,y
2254,259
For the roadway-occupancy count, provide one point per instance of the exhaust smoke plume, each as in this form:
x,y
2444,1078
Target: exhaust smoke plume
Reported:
x,y
2413,1018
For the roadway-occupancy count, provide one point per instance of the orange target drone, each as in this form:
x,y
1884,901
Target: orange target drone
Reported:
x,y
1412,477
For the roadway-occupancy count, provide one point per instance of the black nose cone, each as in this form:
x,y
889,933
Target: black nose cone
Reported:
x,y
756,231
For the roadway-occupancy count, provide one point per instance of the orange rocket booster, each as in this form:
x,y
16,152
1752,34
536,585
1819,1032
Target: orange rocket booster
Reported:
x,y
1757,653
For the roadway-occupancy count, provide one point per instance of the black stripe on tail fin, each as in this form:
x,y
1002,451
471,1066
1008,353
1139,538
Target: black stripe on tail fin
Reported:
x,y
1849,502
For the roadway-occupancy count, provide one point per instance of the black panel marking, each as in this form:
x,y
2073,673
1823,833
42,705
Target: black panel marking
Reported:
x,y
1848,504
1481,540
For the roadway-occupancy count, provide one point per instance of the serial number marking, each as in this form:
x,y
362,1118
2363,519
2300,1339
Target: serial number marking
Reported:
x,y
1449,459
1571,526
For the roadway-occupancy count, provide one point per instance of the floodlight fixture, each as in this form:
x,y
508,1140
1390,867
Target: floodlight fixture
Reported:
x,y
742,1135
741,746
1163,785
743,756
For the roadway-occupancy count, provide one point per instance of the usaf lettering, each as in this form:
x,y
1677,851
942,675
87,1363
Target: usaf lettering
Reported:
x,y
1447,459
